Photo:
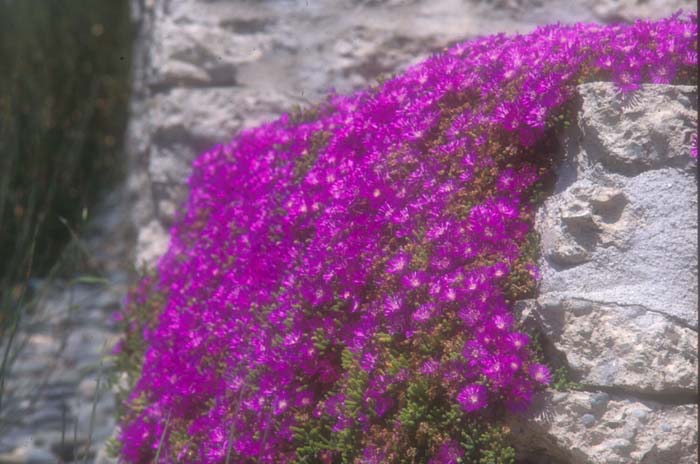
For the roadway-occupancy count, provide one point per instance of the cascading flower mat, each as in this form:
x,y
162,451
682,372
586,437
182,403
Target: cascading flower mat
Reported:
x,y
338,285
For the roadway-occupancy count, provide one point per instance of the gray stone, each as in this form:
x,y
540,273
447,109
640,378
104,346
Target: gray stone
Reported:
x,y
28,455
629,10
44,417
88,388
600,400
102,456
618,295
56,391
609,234
64,376
60,341
612,345
640,414
643,255
88,344
30,366
152,243
649,129
626,315
102,423
40,345
565,426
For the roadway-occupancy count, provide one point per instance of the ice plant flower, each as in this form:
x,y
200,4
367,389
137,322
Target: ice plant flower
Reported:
x,y
449,453
540,373
339,271
473,397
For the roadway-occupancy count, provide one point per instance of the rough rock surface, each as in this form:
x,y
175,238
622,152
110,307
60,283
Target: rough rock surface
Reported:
x,y
597,427
206,69
622,225
618,297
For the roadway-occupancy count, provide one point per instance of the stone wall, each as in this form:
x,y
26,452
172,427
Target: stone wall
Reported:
x,y
618,297
208,68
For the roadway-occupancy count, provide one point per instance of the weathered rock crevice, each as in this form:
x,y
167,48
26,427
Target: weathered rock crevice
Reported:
x,y
668,398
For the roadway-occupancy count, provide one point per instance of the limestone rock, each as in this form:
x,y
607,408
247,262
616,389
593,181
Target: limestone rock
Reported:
x,y
618,294
626,238
629,10
628,347
586,427
152,243
650,128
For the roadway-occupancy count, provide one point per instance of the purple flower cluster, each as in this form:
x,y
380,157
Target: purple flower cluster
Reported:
x,y
394,215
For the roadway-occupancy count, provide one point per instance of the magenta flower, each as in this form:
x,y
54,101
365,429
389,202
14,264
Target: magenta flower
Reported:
x,y
497,370
536,117
663,73
450,452
502,322
414,280
430,367
424,312
473,397
534,271
628,79
540,373
382,405
398,263
513,363
373,455
517,340
518,397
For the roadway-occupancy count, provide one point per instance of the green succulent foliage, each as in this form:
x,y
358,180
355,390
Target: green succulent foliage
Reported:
x,y
313,438
142,311
562,380
112,447
486,444
417,409
421,425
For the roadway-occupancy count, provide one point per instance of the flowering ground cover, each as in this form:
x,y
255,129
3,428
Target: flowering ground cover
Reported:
x,y
338,286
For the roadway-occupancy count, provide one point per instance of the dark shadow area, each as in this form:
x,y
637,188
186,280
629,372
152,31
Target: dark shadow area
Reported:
x,y
64,94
